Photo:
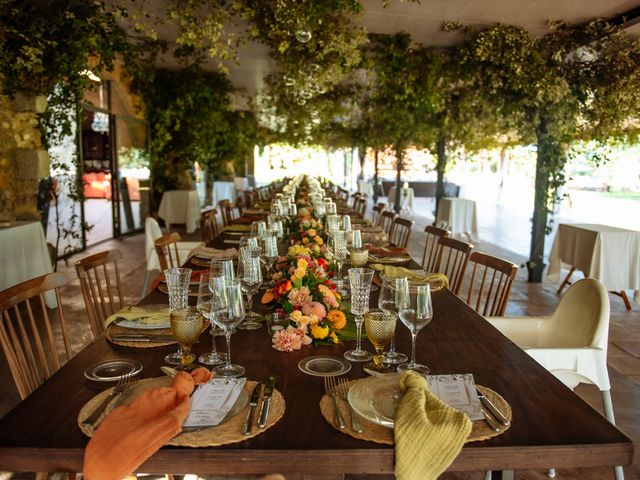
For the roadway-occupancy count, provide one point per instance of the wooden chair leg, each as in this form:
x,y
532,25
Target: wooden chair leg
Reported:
x,y
566,280
625,299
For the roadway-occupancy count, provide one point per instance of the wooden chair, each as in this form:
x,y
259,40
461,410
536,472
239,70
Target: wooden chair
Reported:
x,y
101,289
28,340
376,213
249,198
452,259
361,206
227,212
386,221
167,250
208,224
401,232
490,284
355,197
343,194
240,204
430,255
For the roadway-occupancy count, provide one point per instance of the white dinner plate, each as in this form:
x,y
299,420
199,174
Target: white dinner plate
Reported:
x,y
324,366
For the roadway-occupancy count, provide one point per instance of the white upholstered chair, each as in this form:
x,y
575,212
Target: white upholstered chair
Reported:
x,y
571,343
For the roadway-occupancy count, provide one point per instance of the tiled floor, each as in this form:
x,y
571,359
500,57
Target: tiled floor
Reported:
x,y
526,299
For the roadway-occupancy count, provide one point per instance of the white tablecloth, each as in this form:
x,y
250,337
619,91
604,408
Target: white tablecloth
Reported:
x,y
241,183
180,206
224,191
458,215
406,200
24,255
608,254
365,186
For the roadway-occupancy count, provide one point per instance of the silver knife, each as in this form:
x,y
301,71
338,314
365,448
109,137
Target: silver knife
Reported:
x,y
492,408
269,385
253,403
142,338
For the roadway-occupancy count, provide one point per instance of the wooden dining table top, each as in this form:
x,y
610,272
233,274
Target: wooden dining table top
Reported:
x,y
551,426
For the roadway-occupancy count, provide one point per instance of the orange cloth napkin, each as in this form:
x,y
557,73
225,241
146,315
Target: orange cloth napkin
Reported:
x,y
130,434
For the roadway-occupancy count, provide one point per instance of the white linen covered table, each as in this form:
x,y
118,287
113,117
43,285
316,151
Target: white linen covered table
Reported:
x,y
459,215
365,186
224,191
180,206
24,255
406,198
611,255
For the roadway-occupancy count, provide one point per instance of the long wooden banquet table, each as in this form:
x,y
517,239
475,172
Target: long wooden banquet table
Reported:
x,y
551,427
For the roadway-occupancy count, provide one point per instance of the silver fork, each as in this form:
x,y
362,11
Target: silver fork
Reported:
x,y
124,382
330,389
343,390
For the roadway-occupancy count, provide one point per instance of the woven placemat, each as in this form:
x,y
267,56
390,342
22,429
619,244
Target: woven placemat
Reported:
x,y
373,432
224,434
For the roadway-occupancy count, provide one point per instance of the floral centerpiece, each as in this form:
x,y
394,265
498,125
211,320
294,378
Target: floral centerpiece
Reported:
x,y
304,291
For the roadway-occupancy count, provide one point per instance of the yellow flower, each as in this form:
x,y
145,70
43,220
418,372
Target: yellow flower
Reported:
x,y
319,332
296,315
334,338
299,273
305,240
338,319
302,263
312,232
319,240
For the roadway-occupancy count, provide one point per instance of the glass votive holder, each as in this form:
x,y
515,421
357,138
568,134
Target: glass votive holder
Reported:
x,y
359,257
276,321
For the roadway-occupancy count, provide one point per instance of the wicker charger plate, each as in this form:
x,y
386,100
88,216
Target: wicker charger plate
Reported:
x,y
373,432
224,434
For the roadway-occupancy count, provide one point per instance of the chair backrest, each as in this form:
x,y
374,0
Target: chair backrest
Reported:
x,y
452,259
401,231
430,255
27,333
490,284
343,194
226,209
208,224
167,250
376,213
356,197
581,319
386,221
240,204
101,289
249,199
361,206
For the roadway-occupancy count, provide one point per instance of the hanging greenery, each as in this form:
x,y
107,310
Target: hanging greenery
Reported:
x,y
574,83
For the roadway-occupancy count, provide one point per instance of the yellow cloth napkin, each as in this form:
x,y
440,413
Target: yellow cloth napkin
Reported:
x,y
213,253
139,314
436,280
237,228
429,434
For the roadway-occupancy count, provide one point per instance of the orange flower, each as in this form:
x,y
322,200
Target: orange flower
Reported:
x,y
284,288
338,319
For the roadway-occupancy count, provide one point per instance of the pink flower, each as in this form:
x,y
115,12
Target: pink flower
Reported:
x,y
290,339
299,297
314,308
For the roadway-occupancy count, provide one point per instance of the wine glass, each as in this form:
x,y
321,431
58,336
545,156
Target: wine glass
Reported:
x,y
248,241
391,298
381,328
250,276
229,312
178,280
186,327
269,253
360,280
221,268
258,229
205,294
339,245
415,314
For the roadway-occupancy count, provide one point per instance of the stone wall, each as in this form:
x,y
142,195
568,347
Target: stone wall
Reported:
x,y
23,161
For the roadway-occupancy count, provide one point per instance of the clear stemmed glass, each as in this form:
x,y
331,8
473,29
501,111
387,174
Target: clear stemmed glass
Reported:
x,y
269,253
178,280
250,276
339,256
360,280
415,314
186,327
229,312
381,328
392,297
221,268
258,229
248,241
205,297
